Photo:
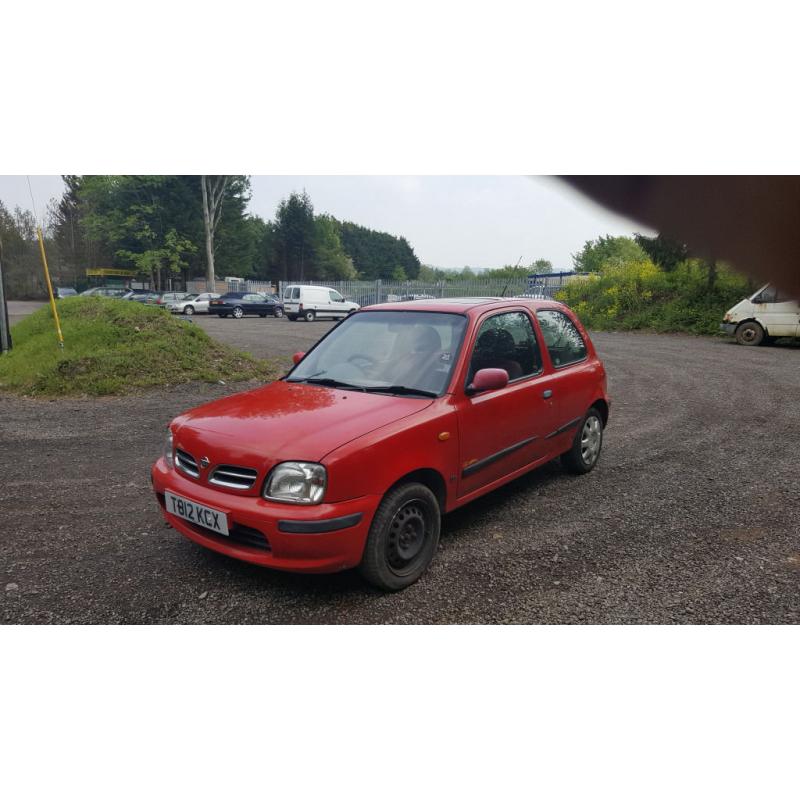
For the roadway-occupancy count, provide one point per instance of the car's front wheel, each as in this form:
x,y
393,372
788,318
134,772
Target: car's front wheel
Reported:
x,y
188,310
750,333
278,312
403,537
238,312
582,456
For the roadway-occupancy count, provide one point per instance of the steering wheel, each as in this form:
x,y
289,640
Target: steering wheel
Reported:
x,y
370,361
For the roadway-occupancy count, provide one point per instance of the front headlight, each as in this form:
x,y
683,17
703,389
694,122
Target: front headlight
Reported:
x,y
296,482
169,451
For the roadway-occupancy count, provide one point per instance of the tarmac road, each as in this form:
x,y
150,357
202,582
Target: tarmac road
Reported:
x,y
691,515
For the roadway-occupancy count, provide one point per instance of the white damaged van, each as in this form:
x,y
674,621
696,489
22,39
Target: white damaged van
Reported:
x,y
315,302
768,315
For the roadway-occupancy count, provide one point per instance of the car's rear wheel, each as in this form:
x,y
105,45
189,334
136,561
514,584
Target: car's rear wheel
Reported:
x,y
238,312
585,451
750,333
403,537
309,316
278,312
188,310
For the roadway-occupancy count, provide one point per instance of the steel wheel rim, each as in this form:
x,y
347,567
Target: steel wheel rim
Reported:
x,y
748,334
591,439
408,535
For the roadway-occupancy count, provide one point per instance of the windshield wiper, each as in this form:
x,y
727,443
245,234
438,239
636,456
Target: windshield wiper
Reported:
x,y
328,382
400,390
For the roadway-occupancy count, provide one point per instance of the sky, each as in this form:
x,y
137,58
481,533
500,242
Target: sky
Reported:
x,y
450,221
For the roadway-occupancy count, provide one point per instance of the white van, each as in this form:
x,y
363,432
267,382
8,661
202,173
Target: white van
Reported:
x,y
315,302
768,315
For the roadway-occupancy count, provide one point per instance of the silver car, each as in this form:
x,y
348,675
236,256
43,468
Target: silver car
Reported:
x,y
193,304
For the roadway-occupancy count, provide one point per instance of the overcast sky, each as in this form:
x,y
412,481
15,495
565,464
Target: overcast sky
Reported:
x,y
451,222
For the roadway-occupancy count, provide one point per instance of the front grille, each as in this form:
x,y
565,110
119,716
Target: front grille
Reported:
x,y
233,477
186,463
238,534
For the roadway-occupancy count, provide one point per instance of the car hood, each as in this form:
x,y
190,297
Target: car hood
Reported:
x,y
285,422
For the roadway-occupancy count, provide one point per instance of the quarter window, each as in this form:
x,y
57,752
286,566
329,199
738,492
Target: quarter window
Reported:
x,y
506,341
562,339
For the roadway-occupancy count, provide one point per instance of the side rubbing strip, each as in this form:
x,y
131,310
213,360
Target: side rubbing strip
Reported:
x,y
571,424
319,526
485,462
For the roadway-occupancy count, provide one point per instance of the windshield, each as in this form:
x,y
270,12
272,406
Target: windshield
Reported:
x,y
396,351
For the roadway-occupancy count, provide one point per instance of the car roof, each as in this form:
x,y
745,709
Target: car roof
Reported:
x,y
465,305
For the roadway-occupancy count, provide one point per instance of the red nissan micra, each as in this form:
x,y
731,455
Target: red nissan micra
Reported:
x,y
401,413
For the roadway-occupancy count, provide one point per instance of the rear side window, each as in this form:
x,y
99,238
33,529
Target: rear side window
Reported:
x,y
506,341
561,338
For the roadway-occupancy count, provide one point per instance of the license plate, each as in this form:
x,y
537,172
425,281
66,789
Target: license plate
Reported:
x,y
210,518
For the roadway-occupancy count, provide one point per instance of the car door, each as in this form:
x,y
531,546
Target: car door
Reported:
x,y
571,386
503,430
338,306
777,312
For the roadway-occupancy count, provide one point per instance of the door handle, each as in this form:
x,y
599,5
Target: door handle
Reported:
x,y
547,393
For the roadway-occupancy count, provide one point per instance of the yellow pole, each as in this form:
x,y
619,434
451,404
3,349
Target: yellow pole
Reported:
x,y
50,289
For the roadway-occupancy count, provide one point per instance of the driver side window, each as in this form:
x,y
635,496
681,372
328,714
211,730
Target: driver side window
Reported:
x,y
506,341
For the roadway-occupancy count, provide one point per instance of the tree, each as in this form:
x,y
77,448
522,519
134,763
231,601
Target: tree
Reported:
x,y
294,235
213,191
541,266
607,249
663,251
329,260
376,254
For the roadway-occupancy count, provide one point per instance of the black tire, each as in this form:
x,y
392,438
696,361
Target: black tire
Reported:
x,y
309,316
403,537
584,454
278,313
238,312
750,334
188,310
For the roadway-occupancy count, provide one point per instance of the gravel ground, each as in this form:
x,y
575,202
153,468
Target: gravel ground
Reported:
x,y
691,515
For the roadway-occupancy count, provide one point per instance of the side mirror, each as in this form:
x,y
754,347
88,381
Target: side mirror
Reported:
x,y
486,380
298,357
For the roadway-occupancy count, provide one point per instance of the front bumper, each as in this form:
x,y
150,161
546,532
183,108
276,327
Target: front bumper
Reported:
x,y
325,538
728,327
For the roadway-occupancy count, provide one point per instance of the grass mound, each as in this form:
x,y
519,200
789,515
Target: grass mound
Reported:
x,y
113,346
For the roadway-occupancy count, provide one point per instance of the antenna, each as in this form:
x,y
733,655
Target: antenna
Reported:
x,y
503,294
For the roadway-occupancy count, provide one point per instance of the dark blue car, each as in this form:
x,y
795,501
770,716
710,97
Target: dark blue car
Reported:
x,y
240,304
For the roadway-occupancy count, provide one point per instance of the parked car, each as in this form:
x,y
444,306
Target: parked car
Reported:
x,y
117,292
167,298
193,303
60,292
240,304
762,318
143,296
315,302
399,414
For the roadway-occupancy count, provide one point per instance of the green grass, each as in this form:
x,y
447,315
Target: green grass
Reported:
x,y
115,346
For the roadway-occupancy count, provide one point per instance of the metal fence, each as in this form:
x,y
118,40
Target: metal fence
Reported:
x,y
368,292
